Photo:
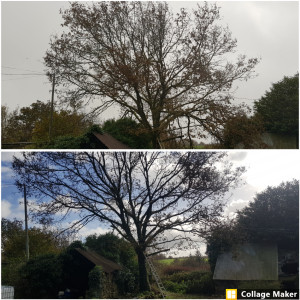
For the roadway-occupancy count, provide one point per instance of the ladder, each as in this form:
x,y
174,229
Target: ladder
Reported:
x,y
156,276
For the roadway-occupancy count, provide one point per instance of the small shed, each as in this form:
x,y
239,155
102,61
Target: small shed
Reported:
x,y
77,269
107,265
248,262
109,142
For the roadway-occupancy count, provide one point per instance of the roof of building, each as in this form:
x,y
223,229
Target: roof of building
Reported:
x,y
109,141
98,260
248,262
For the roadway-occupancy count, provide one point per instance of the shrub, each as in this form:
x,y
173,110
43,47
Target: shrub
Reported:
x,y
84,141
173,269
191,283
126,282
95,284
203,285
184,276
242,131
290,283
259,284
40,278
148,295
175,287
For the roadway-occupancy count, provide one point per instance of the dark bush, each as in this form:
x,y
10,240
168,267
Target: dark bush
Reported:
x,y
203,285
184,276
40,278
127,282
84,141
95,284
191,282
175,287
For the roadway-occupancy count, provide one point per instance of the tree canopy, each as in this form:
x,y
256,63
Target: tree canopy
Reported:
x,y
273,216
171,73
141,195
17,126
31,123
13,238
242,131
279,107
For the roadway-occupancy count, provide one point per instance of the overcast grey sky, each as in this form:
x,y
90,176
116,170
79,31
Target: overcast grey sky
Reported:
x,y
263,29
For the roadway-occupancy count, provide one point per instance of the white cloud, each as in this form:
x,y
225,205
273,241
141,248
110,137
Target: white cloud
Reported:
x,y
237,155
5,209
272,167
7,156
234,206
86,231
10,212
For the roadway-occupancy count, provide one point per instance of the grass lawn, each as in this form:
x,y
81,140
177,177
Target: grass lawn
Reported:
x,y
169,261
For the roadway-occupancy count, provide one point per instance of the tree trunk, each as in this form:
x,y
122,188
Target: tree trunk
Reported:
x,y
143,276
155,140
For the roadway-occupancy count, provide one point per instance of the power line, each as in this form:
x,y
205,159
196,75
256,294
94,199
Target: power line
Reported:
x,y
245,98
35,74
28,77
19,69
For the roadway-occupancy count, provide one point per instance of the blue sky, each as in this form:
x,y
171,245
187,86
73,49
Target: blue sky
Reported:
x,y
264,168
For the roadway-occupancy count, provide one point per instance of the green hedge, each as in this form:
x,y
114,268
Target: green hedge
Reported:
x,y
190,283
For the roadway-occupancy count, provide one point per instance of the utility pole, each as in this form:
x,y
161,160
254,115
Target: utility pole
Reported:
x,y
26,224
52,108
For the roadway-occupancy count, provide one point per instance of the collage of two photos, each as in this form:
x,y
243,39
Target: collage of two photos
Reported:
x,y
150,150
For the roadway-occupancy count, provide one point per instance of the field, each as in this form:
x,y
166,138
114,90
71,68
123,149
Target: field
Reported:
x,y
169,261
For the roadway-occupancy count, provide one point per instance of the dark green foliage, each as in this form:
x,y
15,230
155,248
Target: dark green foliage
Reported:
x,y
10,272
118,250
175,287
203,285
149,295
85,141
279,108
221,240
127,281
74,245
95,283
258,285
128,132
273,215
291,282
40,278
190,283
106,245
10,232
113,248
41,242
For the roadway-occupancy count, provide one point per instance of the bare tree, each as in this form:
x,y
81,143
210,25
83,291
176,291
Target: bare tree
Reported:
x,y
171,73
149,198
